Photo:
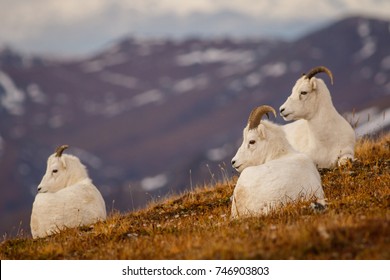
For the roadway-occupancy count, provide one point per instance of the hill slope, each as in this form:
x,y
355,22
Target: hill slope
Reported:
x,y
196,225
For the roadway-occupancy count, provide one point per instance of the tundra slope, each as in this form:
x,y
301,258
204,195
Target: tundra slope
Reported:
x,y
318,130
272,172
66,197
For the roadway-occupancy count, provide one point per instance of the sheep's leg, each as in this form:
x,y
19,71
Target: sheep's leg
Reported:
x,y
345,159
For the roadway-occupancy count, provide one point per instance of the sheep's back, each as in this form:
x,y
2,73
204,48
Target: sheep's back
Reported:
x,y
337,139
289,178
296,134
70,207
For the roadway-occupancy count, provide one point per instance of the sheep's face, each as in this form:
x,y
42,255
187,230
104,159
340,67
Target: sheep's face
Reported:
x,y
61,172
302,103
252,150
55,176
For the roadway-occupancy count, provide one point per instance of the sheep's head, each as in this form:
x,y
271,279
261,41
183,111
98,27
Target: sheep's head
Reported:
x,y
256,138
62,171
303,101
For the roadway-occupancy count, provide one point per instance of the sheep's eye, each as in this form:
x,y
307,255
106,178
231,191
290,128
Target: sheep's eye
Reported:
x,y
303,92
252,142
55,170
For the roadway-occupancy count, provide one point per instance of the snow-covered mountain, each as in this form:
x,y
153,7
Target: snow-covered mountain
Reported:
x,y
151,117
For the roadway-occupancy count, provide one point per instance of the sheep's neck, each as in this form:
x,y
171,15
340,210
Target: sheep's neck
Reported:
x,y
85,181
321,124
81,182
279,150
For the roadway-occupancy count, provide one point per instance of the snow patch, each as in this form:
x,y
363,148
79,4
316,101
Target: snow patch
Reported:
x,y
213,55
154,183
253,79
276,69
368,49
113,107
371,120
119,79
88,158
218,154
100,64
363,29
116,108
36,94
150,96
189,84
11,98
228,70
369,43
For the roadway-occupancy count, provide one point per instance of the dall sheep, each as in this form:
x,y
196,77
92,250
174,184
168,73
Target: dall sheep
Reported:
x,y
66,197
272,172
319,130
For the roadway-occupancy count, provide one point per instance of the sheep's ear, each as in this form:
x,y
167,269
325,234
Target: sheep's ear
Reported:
x,y
63,162
313,83
262,131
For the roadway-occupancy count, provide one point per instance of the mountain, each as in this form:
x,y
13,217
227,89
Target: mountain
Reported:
x,y
151,117
12,58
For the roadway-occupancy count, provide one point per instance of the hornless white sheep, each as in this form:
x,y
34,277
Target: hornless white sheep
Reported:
x,y
318,131
66,197
272,172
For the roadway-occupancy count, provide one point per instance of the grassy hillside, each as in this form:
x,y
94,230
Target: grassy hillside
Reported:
x,y
196,225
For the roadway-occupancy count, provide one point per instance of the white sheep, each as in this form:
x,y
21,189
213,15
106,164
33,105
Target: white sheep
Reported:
x,y
272,172
318,131
66,197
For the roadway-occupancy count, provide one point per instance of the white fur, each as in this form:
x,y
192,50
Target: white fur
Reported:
x,y
272,173
319,130
66,198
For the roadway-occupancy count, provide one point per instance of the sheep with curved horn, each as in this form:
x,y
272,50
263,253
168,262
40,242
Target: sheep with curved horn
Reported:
x,y
66,197
272,172
318,129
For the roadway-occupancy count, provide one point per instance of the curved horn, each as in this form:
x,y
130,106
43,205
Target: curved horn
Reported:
x,y
257,114
60,150
317,70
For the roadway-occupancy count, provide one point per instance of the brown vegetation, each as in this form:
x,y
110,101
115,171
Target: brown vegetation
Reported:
x,y
196,225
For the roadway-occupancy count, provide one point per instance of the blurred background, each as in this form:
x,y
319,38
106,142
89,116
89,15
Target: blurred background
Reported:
x,y
153,95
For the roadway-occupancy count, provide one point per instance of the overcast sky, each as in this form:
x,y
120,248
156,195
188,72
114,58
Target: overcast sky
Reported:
x,y
74,27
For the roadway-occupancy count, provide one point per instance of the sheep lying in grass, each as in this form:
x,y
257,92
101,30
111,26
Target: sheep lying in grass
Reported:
x,y
66,197
272,172
318,131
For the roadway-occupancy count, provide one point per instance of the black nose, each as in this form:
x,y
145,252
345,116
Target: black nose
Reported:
x,y
39,189
233,162
281,110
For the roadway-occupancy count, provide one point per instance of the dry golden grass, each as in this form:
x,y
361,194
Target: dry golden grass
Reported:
x,y
196,225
